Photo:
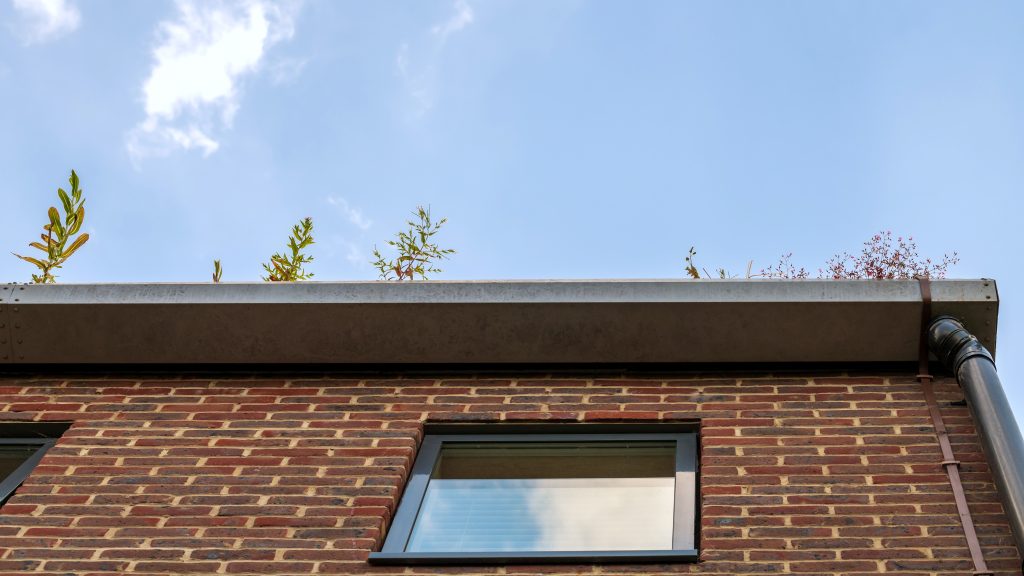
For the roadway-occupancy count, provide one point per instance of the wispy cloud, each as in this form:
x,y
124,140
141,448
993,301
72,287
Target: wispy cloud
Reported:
x,y
286,70
199,61
353,254
354,215
417,64
337,247
46,20
462,17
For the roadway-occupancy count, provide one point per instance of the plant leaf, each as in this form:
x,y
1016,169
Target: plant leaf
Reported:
x,y
55,223
79,217
65,200
41,265
75,245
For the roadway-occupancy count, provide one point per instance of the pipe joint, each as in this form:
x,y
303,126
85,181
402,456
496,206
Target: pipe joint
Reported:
x,y
953,344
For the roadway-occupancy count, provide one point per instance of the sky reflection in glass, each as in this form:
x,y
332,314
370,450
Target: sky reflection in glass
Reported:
x,y
551,497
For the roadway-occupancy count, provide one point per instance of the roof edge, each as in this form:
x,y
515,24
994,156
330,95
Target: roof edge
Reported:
x,y
482,322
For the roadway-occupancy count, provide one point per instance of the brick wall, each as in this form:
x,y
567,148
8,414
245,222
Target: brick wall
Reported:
x,y
294,476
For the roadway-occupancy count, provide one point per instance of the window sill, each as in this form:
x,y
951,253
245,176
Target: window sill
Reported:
x,y
588,557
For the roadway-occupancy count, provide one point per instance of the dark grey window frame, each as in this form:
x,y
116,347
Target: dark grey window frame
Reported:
x,y
686,512
9,484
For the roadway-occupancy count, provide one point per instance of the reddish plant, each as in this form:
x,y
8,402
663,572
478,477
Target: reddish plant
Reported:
x,y
784,269
882,259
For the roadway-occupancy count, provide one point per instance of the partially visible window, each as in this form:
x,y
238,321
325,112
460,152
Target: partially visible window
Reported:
x,y
565,496
22,446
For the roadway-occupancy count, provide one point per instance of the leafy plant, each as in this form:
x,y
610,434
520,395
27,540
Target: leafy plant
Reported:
x,y
417,254
55,241
217,271
291,268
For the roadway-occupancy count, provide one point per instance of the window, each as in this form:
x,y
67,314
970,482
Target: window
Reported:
x,y
575,493
22,446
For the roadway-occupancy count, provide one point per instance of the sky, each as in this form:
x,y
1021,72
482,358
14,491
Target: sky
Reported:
x,y
562,139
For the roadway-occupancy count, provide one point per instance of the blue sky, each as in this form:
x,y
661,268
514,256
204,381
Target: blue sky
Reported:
x,y
563,138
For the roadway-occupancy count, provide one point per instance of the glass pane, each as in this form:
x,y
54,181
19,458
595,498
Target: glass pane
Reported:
x,y
13,456
492,497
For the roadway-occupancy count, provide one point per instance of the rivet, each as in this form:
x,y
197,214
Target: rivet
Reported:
x,y
16,325
19,340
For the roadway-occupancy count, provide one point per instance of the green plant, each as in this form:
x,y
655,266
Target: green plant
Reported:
x,y
417,255
55,240
217,271
291,268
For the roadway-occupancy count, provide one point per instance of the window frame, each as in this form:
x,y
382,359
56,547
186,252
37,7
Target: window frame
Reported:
x,y
685,511
15,479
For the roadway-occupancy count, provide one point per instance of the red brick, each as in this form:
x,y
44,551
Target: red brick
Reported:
x,y
177,567
269,567
270,475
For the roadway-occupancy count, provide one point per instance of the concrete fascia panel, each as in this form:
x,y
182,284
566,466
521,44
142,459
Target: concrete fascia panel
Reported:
x,y
484,322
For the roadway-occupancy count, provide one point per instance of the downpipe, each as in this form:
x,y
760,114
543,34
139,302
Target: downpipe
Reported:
x,y
960,352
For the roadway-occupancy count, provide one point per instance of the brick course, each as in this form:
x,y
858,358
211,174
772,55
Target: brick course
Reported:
x,y
824,475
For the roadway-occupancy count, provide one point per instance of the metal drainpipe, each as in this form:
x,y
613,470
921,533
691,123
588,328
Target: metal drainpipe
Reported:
x,y
960,351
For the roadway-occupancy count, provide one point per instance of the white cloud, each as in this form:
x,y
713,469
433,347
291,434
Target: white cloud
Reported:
x,y
462,17
354,215
45,20
419,71
199,61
